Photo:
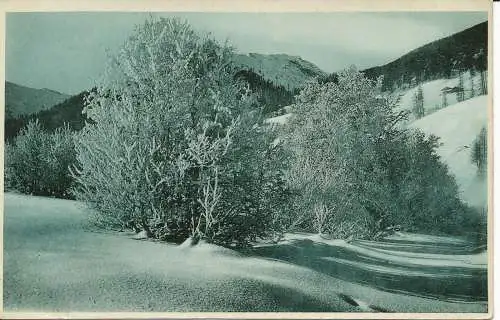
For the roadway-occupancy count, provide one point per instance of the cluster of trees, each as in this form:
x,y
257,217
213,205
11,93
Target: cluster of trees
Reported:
x,y
461,91
175,148
271,97
357,172
175,145
36,161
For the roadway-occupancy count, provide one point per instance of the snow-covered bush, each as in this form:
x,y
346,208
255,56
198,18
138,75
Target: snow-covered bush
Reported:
x,y
358,172
162,151
426,195
37,162
257,194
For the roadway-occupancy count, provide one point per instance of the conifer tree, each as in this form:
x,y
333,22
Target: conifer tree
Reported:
x,y
418,103
479,154
444,100
472,92
460,89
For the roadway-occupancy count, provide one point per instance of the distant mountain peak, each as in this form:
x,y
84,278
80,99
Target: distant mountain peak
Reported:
x,y
290,72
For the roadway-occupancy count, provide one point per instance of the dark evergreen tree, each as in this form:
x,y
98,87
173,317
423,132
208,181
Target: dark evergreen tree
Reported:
x,y
437,58
479,152
418,103
460,88
472,92
480,62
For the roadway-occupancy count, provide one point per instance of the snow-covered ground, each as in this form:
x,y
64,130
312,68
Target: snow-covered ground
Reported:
x,y
278,120
433,97
457,126
52,263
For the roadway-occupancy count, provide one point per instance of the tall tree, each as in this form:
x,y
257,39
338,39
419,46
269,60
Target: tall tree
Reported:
x,y
444,99
418,103
472,92
460,89
480,61
479,154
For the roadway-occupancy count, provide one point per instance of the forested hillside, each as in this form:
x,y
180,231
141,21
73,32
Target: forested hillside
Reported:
x,y
444,58
68,111
21,100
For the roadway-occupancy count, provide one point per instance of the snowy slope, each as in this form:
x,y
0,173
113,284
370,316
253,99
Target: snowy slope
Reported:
x,y
457,126
433,96
289,71
278,120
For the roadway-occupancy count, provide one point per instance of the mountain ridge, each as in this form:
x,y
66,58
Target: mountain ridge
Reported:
x,y
290,72
21,100
276,78
464,50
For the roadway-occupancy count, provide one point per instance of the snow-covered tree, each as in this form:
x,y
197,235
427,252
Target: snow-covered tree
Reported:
x,y
37,162
332,138
357,171
164,119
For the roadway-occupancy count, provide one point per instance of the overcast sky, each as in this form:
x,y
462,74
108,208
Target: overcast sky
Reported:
x,y
67,51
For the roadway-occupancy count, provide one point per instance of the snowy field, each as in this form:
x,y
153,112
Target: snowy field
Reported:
x,y
433,97
53,263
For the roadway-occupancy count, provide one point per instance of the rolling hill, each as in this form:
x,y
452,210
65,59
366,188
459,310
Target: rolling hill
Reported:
x,y
21,100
